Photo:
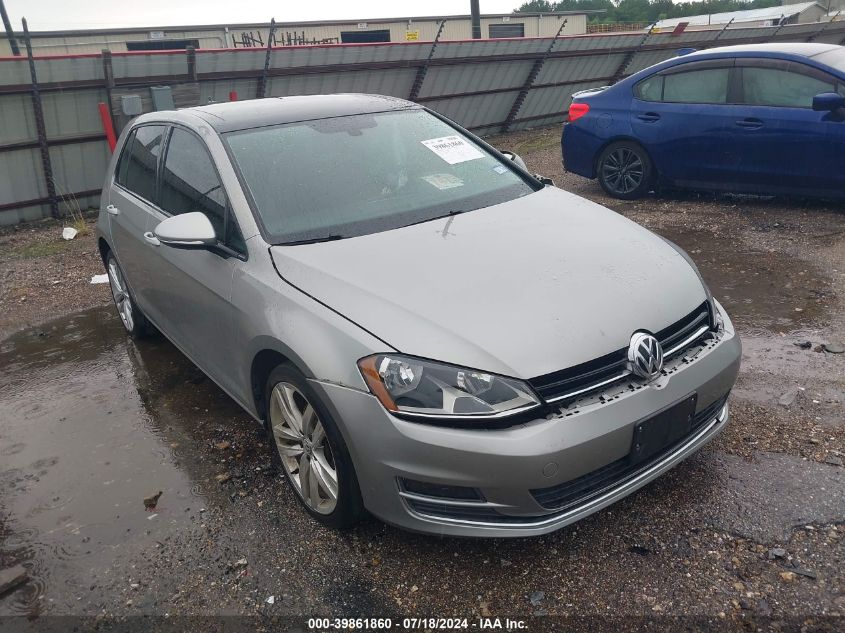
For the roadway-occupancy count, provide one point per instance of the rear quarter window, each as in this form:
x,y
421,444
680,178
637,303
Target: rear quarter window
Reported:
x,y
123,161
650,89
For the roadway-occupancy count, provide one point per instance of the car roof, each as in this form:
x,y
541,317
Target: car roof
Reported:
x,y
240,115
805,49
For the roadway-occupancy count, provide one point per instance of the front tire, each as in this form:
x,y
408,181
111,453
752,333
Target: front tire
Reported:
x,y
625,171
133,319
311,450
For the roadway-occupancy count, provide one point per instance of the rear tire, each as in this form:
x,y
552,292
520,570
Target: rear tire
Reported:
x,y
625,170
311,450
134,321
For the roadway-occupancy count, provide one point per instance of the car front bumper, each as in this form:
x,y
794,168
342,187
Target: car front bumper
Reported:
x,y
509,466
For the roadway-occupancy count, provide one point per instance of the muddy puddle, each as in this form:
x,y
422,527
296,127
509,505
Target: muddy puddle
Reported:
x,y
91,424
763,291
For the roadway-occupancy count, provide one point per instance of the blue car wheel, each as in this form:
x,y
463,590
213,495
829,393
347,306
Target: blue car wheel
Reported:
x,y
625,171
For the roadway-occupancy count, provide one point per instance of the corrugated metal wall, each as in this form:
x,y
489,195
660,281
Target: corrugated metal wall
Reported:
x,y
424,29
480,84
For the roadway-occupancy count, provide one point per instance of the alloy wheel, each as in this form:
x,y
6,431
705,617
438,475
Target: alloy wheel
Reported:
x,y
121,295
304,449
623,170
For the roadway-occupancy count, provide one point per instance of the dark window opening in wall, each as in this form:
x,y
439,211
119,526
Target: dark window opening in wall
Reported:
x,y
358,37
511,29
161,45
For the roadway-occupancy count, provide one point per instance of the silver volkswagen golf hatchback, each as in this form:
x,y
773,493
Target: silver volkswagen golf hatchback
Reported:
x,y
427,331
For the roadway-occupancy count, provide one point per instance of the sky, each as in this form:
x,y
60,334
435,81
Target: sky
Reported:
x,y
44,15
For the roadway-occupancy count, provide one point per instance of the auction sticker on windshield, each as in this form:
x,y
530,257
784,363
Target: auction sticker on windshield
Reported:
x,y
444,181
453,149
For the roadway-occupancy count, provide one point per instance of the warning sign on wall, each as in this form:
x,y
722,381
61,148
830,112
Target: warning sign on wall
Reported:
x,y
412,36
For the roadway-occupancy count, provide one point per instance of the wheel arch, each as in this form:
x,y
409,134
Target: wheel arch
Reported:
x,y
623,138
270,353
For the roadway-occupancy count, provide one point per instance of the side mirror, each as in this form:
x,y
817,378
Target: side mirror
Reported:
x,y
515,158
188,230
545,180
828,102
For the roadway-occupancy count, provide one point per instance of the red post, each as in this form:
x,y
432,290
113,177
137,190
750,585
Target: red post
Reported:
x,y
108,128
233,95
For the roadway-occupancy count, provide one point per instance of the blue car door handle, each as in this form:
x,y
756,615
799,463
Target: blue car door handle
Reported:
x,y
649,117
750,124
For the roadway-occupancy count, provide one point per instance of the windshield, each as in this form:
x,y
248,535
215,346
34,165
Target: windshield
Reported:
x,y
834,58
354,175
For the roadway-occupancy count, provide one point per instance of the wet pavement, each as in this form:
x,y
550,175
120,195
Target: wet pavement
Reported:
x,y
92,423
81,449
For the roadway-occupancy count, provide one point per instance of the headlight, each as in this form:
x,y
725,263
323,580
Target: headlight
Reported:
x,y
718,320
419,388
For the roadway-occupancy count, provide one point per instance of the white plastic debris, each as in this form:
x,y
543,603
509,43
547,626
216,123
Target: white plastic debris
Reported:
x,y
68,233
100,279
271,600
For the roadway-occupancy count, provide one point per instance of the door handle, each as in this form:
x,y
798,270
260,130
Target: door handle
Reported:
x,y
112,210
151,238
750,124
649,117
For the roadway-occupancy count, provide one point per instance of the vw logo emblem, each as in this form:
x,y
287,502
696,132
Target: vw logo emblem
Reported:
x,y
645,356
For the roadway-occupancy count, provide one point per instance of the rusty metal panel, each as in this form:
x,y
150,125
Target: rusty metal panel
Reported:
x,y
476,110
396,82
330,55
486,48
21,176
14,72
229,61
68,69
137,65
78,167
598,42
648,58
689,37
17,121
579,68
444,80
72,112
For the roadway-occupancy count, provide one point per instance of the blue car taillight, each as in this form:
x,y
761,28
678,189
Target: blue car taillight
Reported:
x,y
577,110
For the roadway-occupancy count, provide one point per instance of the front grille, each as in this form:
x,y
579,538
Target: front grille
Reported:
x,y
600,372
577,491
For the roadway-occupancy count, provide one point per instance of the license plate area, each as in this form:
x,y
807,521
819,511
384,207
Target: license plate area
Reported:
x,y
664,429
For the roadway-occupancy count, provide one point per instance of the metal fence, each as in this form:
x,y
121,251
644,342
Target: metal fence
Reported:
x,y
53,151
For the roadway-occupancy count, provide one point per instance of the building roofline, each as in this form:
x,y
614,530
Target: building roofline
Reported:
x,y
281,25
753,15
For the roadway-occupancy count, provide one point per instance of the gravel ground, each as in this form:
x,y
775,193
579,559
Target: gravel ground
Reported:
x,y
749,533
44,276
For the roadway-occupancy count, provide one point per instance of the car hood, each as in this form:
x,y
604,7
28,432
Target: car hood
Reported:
x,y
522,288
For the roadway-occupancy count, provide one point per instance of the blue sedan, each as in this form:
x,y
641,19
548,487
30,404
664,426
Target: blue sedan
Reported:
x,y
766,119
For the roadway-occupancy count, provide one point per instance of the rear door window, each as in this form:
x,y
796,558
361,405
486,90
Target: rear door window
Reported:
x,y
708,85
139,162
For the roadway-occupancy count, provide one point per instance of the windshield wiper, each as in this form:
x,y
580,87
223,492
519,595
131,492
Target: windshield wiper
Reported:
x,y
313,240
439,217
